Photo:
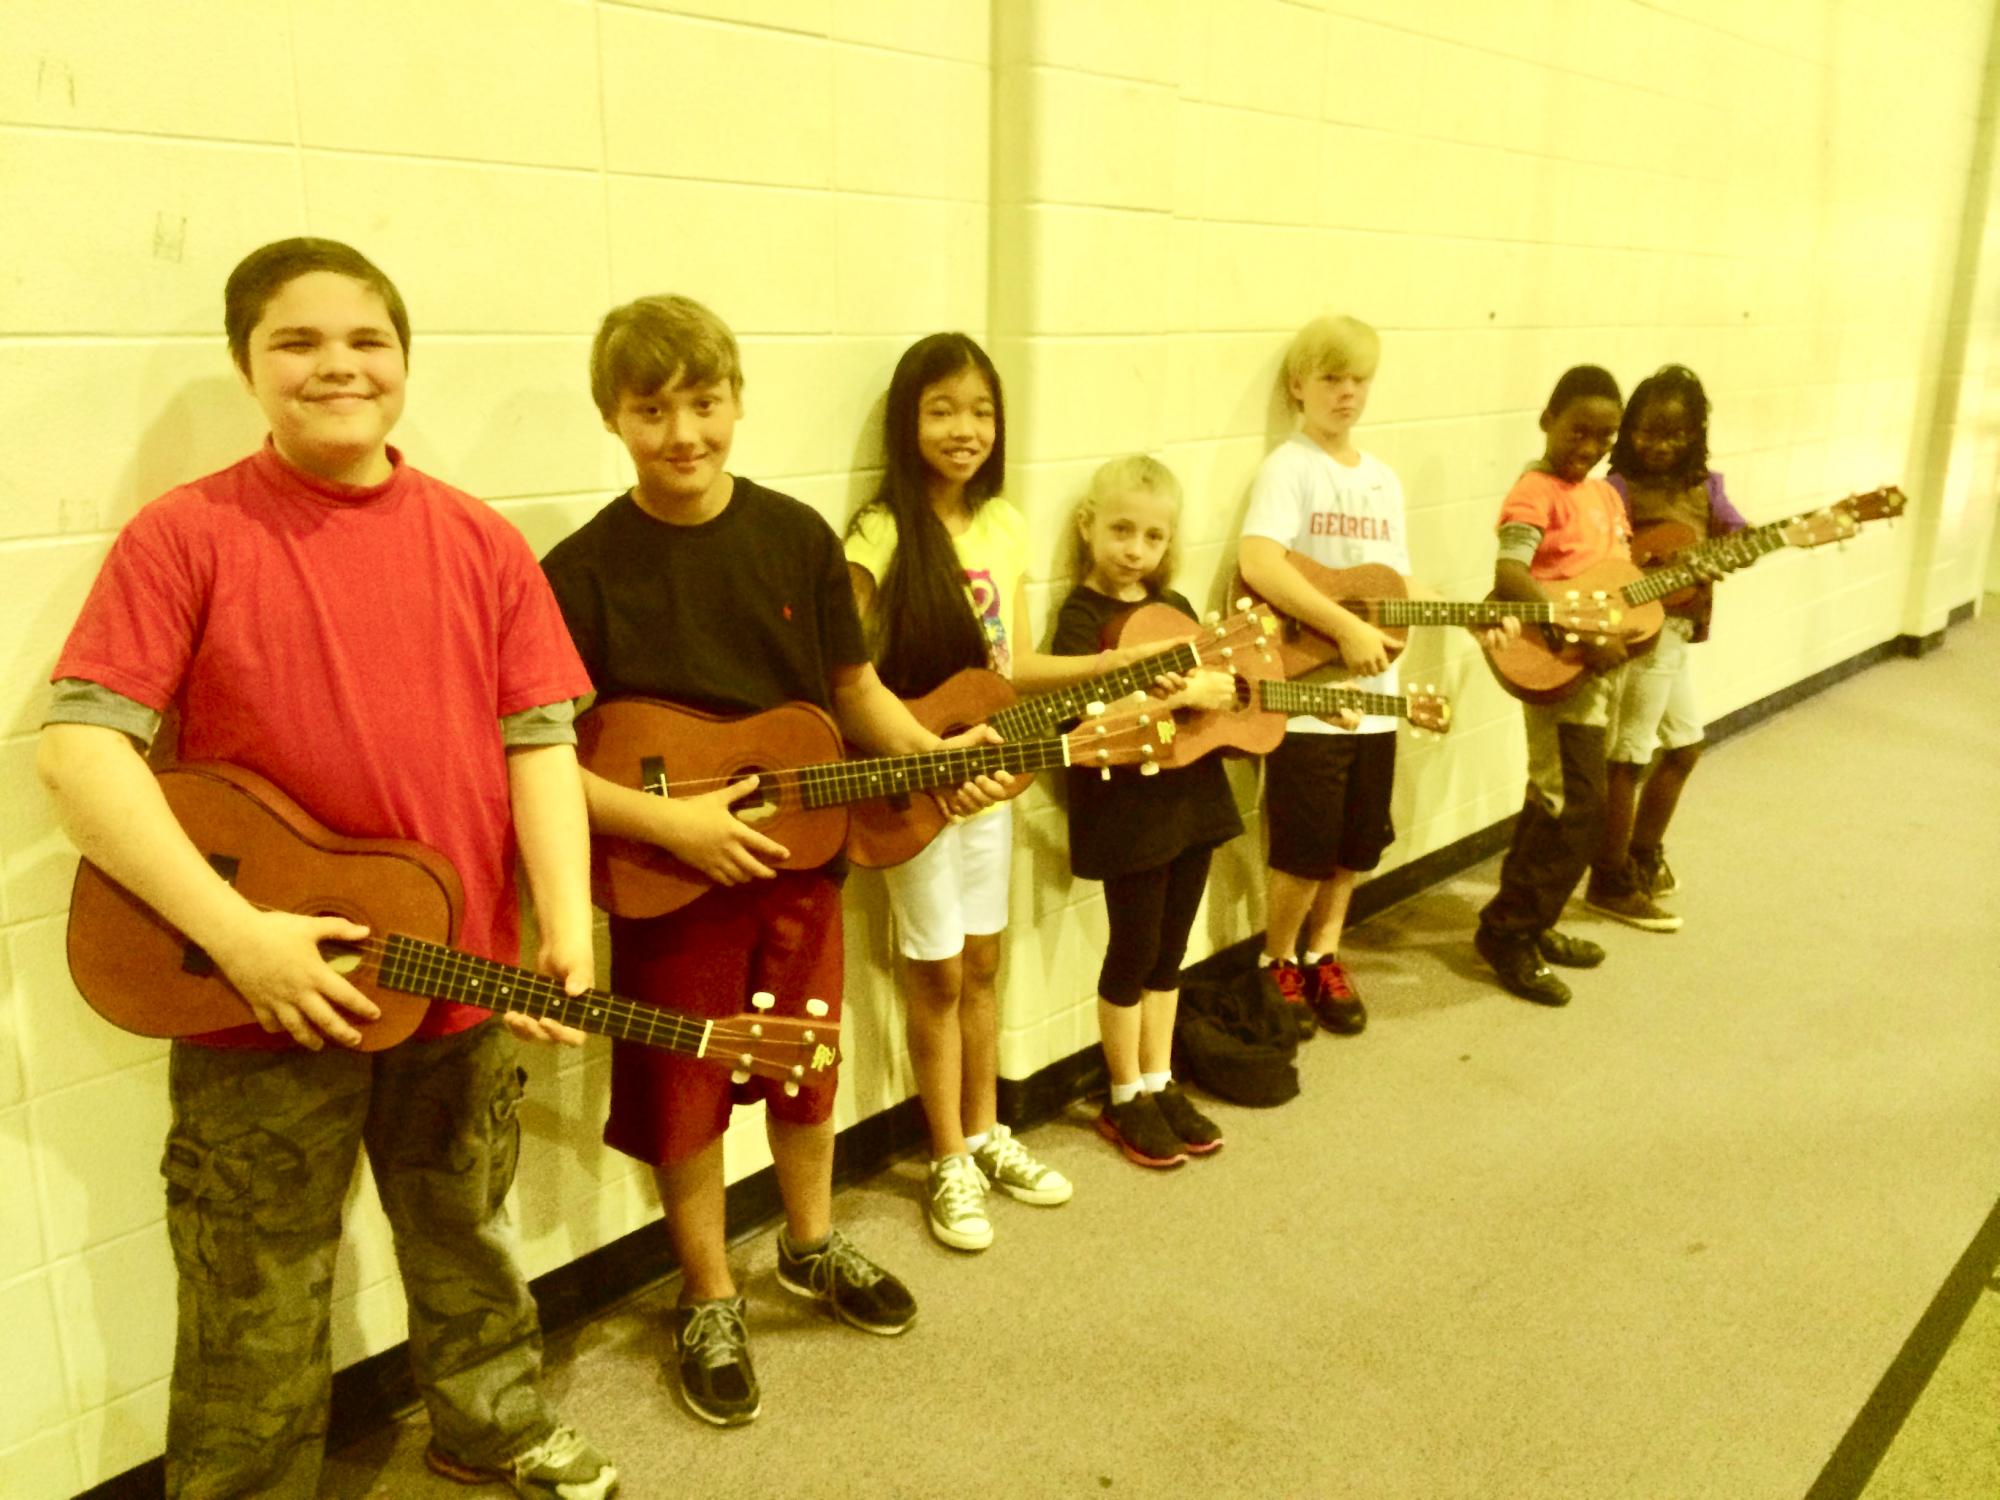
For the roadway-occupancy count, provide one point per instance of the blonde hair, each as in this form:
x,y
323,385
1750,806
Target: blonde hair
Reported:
x,y
656,342
1332,345
1120,476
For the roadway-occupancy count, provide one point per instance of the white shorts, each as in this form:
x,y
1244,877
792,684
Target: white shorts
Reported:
x,y
955,889
1656,709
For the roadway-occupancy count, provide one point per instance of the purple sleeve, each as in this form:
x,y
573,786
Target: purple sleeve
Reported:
x,y
1723,517
1617,482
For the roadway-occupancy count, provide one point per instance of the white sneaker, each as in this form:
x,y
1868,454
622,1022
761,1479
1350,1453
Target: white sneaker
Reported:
x,y
958,1204
1005,1163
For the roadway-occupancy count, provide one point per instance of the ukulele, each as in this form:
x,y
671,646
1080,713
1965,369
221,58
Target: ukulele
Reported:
x,y
805,789
1257,723
143,976
889,831
1380,595
1537,670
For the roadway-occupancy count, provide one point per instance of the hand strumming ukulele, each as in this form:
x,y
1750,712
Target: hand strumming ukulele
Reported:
x,y
1380,595
1537,670
805,789
140,974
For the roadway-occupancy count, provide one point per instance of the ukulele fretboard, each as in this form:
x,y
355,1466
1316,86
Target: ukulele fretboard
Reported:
x,y
1739,549
1400,612
1279,696
416,967
842,781
1046,713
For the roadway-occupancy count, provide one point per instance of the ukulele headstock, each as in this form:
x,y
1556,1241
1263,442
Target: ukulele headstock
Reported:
x,y
1816,528
786,1049
1885,504
1137,732
1579,615
1252,628
1429,709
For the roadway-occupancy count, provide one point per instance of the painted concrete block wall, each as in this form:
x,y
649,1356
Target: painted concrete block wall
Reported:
x,y
1134,201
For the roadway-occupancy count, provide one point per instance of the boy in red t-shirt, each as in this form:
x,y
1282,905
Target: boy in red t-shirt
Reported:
x,y
712,592
382,648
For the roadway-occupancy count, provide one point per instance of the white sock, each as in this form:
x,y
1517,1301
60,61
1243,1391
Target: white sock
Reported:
x,y
1312,958
1265,960
1154,1082
1125,1093
974,1142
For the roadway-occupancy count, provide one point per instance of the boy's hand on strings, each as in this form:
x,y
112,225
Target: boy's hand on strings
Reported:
x,y
1494,637
572,963
1363,648
704,831
980,792
274,961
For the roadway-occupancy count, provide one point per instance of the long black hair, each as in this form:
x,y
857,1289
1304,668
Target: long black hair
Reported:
x,y
1668,383
923,628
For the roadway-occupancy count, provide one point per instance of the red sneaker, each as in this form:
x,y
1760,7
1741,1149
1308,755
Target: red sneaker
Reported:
x,y
1284,980
1334,999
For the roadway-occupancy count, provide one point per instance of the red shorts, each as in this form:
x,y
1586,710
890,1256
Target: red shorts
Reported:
x,y
708,958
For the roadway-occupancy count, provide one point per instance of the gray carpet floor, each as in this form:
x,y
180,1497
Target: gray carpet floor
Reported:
x,y
1663,1243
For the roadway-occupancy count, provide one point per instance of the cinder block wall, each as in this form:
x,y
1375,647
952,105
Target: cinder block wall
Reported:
x,y
1134,201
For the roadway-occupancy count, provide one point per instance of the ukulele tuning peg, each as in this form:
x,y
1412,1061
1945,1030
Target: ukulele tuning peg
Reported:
x,y
1570,636
1095,710
1150,768
1105,774
808,1036
815,1007
741,1075
1243,603
763,1000
791,1091
1214,617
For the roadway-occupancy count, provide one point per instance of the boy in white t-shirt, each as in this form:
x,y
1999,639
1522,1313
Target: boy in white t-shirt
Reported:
x,y
1327,788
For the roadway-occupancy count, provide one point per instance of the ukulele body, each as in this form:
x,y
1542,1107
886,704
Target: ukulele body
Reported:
x,y
895,829
142,975
1248,728
1530,669
649,744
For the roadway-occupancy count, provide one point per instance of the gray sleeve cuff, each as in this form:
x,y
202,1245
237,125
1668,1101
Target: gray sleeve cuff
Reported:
x,y
549,724
1519,542
80,701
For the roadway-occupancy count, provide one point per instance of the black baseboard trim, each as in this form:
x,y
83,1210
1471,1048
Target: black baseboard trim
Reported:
x,y
377,1390
1854,1461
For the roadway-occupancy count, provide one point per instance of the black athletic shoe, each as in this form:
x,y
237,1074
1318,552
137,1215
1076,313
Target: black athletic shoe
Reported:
x,y
1138,1129
1198,1133
1656,876
713,1353
1570,952
1520,967
856,1290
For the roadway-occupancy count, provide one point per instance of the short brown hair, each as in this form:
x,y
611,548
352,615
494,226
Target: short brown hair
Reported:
x,y
1335,345
1120,476
656,342
267,270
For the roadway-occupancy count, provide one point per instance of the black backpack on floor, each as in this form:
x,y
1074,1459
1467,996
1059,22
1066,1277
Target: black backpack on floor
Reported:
x,y
1235,1041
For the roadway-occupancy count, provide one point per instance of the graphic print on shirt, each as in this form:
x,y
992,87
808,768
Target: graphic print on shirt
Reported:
x,y
986,609
1346,534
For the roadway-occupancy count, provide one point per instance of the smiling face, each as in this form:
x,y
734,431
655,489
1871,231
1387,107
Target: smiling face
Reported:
x,y
679,439
956,421
1126,535
1579,435
1662,436
325,364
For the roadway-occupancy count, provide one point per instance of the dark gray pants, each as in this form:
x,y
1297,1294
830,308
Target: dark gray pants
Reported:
x,y
259,1158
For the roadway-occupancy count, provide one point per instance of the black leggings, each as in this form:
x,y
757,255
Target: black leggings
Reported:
x,y
1151,914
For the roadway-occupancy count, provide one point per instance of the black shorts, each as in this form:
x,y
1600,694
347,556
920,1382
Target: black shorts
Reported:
x,y
1326,800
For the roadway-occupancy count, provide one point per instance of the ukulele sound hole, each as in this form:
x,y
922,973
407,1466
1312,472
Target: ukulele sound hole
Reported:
x,y
761,805
343,958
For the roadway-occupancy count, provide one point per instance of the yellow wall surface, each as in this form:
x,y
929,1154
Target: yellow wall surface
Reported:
x,y
1133,201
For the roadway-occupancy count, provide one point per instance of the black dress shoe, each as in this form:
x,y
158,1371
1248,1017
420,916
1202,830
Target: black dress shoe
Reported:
x,y
1520,967
1570,952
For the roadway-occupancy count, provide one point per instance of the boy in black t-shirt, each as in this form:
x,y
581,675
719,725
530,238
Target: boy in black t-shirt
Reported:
x,y
718,594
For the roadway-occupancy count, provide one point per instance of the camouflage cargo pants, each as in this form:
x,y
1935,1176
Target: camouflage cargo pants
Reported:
x,y
258,1160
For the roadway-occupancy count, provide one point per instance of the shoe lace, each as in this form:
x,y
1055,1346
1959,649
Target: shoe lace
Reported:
x,y
841,1259
715,1332
1333,980
1008,1155
555,1452
958,1194
1290,982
